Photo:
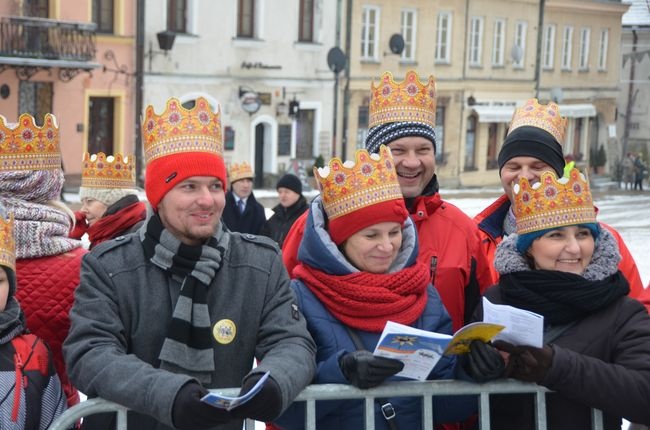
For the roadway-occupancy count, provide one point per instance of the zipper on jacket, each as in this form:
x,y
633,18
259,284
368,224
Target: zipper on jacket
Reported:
x,y
18,387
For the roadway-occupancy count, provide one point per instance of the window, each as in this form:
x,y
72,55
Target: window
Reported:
x,y
602,49
409,19
470,143
491,162
100,130
499,42
246,18
305,123
520,41
35,98
177,16
567,44
443,38
362,125
585,33
549,46
475,41
306,30
369,32
440,135
36,8
103,15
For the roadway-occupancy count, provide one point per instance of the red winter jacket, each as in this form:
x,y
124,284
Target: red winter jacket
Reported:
x,y
448,244
490,224
46,291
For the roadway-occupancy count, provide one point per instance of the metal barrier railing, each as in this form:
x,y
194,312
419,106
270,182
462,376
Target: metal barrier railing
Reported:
x,y
312,393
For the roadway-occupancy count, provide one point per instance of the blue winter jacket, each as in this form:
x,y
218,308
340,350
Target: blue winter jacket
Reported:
x,y
333,340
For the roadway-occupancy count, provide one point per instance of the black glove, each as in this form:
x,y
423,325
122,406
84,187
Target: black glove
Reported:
x,y
189,412
365,370
527,363
483,363
265,405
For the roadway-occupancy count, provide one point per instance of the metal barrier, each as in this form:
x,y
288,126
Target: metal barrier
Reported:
x,y
313,393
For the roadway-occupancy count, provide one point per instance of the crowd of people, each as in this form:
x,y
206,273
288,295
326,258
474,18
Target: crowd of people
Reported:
x,y
195,290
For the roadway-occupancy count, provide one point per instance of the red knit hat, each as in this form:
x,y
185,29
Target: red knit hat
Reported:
x,y
361,193
181,143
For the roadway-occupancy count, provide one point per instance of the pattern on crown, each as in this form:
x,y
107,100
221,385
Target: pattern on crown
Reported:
x,y
102,171
239,171
181,130
26,146
409,100
347,187
547,117
7,242
552,202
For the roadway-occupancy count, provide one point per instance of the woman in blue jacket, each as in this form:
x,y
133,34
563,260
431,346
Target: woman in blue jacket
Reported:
x,y
357,271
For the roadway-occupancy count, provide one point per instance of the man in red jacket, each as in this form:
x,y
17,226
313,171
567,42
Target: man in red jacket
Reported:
x,y
534,145
402,116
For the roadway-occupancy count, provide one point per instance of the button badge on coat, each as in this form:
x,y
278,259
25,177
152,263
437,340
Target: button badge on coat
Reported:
x,y
224,331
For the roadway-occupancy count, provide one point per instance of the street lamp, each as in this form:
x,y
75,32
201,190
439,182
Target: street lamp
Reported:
x,y
165,43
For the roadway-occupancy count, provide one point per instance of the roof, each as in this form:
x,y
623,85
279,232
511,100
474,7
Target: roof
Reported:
x,y
638,13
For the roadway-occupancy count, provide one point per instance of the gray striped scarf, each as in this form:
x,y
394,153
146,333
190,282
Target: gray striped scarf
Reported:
x,y
189,345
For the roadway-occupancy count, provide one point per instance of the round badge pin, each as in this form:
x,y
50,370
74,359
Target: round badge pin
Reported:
x,y
224,331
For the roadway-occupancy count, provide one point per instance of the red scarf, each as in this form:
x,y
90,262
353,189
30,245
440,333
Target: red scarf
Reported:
x,y
110,226
365,301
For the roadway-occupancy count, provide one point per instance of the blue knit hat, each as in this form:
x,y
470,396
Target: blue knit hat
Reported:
x,y
524,241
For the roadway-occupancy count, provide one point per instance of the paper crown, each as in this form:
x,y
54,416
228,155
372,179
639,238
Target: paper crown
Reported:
x,y
552,202
347,187
26,146
7,243
102,171
547,117
410,100
240,171
178,130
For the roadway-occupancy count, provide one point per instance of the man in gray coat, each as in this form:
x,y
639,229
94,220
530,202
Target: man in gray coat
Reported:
x,y
183,306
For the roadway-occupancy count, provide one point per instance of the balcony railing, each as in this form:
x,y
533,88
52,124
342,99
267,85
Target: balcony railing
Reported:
x,y
27,37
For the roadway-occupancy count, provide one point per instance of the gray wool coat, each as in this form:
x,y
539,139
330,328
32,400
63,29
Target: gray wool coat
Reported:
x,y
124,303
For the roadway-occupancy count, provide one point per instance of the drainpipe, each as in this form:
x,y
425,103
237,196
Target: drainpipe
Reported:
x,y
538,50
139,88
631,96
346,88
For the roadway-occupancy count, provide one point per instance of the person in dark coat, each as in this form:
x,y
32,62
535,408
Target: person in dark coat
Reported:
x,y
561,263
242,213
292,205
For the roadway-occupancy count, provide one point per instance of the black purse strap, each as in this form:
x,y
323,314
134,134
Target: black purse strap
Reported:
x,y
386,407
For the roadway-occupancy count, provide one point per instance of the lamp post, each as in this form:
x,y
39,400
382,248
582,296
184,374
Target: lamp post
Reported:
x,y
336,62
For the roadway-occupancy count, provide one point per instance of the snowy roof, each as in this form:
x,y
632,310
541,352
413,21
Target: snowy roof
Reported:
x,y
638,13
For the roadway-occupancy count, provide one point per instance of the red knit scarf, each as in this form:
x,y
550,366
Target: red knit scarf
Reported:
x,y
365,301
109,226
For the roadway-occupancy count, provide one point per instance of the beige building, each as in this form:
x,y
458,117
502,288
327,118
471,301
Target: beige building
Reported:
x,y
75,60
488,57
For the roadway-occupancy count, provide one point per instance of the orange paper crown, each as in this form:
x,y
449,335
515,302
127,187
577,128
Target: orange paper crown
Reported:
x,y
552,202
547,117
347,187
240,171
102,171
179,130
26,146
410,100
7,243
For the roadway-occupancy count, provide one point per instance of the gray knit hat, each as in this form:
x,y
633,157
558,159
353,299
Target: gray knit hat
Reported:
x,y
108,196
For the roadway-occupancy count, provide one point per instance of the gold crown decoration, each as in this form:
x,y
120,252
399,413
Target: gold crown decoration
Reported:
x,y
547,117
552,202
7,243
346,187
112,171
240,171
409,100
26,146
178,130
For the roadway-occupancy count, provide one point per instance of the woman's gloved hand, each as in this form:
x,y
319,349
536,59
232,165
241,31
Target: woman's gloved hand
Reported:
x,y
527,363
189,412
365,370
265,405
483,362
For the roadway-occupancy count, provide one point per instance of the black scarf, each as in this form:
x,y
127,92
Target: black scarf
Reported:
x,y
561,297
188,347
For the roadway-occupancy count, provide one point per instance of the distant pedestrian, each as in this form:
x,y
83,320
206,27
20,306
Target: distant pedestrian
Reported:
x,y
640,169
243,213
292,204
628,170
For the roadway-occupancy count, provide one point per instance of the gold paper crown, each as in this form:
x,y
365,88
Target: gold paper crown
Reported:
x,y
240,171
552,202
547,117
7,243
410,100
102,171
181,130
26,146
346,187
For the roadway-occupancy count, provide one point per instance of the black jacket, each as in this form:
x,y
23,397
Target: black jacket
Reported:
x,y
251,221
279,224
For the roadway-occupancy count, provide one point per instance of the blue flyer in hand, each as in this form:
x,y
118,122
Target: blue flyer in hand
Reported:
x,y
229,403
